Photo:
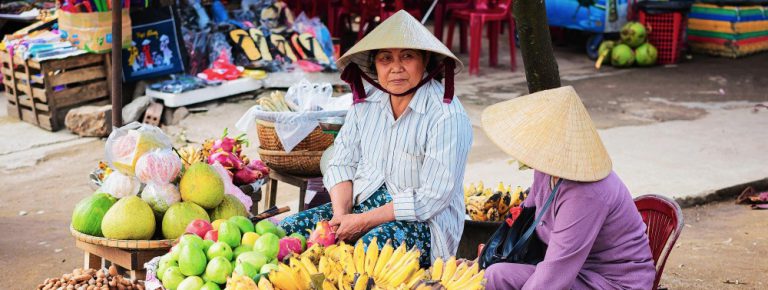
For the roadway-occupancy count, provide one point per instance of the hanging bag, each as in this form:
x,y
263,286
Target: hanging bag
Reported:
x,y
518,243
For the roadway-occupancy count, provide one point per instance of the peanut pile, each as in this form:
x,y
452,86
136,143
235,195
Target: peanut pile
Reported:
x,y
91,279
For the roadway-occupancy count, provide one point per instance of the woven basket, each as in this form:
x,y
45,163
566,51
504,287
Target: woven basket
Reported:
x,y
315,141
122,244
306,163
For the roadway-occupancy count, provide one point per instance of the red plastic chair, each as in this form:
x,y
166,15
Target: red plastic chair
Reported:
x,y
477,18
443,9
664,220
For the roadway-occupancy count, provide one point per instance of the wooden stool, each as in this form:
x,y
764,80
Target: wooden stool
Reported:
x,y
295,180
131,260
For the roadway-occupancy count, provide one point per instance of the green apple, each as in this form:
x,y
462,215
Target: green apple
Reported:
x,y
280,232
266,226
242,249
207,245
243,223
218,269
172,277
210,286
268,245
219,249
254,259
166,261
302,238
229,233
192,261
246,269
191,240
191,283
267,268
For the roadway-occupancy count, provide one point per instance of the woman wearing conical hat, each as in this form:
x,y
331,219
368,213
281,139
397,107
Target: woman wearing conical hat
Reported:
x,y
399,160
594,235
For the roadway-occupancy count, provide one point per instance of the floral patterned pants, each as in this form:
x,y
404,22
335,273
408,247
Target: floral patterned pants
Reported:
x,y
412,233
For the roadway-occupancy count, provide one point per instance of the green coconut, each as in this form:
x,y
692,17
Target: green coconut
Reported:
x,y
633,34
646,55
622,56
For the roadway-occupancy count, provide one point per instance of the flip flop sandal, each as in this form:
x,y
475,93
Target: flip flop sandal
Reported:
x,y
314,48
297,46
243,40
283,46
261,43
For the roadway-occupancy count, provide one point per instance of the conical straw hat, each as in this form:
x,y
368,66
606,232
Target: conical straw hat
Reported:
x,y
549,131
400,30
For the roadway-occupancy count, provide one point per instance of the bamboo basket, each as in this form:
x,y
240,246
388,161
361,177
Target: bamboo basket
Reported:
x,y
268,140
122,244
305,163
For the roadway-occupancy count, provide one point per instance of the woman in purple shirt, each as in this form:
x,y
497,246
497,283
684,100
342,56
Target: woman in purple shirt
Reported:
x,y
595,236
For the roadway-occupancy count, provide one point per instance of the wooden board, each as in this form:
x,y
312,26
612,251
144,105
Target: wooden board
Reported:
x,y
80,94
78,75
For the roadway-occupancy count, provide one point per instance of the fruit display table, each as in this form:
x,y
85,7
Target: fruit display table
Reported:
x,y
97,256
295,180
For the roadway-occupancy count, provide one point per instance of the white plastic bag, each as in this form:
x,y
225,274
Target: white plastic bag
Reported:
x,y
126,144
160,196
159,166
120,185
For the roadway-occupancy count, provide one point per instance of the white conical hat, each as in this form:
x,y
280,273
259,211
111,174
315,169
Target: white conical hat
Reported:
x,y
549,131
400,30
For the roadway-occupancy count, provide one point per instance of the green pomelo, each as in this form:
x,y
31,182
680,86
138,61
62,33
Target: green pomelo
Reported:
x,y
130,218
89,212
202,185
179,215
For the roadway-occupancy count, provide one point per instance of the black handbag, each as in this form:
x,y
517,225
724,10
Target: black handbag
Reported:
x,y
518,243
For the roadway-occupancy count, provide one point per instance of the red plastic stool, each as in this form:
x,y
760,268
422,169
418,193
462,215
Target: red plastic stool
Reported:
x,y
477,18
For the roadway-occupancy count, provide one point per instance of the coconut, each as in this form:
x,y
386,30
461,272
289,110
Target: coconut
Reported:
x,y
622,56
633,34
646,54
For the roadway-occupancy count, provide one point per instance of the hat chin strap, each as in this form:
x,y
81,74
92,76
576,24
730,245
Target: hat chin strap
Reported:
x,y
353,76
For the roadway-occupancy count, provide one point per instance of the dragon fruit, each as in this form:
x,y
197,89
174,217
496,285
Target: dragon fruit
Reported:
x,y
322,235
230,188
228,144
226,159
258,165
288,245
246,175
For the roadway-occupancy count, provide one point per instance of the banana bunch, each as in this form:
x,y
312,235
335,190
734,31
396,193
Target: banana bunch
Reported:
x,y
189,155
240,282
276,102
485,204
452,275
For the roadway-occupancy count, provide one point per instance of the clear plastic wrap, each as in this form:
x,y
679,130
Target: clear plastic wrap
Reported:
x,y
160,196
126,144
120,185
230,188
158,166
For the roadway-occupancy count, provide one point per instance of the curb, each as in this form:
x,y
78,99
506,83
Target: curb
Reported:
x,y
724,194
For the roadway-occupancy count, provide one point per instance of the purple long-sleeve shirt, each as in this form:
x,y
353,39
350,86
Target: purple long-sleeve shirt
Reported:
x,y
595,239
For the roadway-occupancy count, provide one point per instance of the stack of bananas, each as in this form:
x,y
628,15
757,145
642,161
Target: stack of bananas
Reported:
x,y
484,204
276,102
452,275
190,154
345,267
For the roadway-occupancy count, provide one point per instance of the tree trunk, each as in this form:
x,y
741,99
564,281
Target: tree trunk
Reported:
x,y
541,70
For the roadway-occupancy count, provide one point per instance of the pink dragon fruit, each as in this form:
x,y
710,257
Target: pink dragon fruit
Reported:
x,y
258,165
288,245
246,175
231,145
322,235
227,159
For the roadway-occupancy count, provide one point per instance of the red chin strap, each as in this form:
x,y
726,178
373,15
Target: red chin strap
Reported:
x,y
353,76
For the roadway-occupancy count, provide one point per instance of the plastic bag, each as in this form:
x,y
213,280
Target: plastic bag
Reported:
x,y
120,185
158,166
196,43
160,196
230,188
310,96
126,144
316,28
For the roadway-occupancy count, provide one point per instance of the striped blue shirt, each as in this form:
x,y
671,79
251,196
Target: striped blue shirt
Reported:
x,y
420,157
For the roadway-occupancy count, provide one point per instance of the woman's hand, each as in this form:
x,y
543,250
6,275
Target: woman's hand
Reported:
x,y
349,227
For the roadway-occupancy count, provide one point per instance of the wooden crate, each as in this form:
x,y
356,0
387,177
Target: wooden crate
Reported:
x,y
42,93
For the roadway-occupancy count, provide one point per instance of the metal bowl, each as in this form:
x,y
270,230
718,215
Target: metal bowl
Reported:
x,y
331,123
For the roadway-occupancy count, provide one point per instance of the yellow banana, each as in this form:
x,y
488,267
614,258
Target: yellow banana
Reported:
x,y
480,187
327,285
343,285
362,282
348,263
501,187
304,281
415,278
384,256
404,274
437,269
359,256
396,257
449,269
473,283
311,268
282,278
463,274
401,266
371,255
264,284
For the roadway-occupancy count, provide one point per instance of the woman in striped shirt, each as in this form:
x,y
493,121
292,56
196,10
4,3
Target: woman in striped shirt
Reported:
x,y
400,157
